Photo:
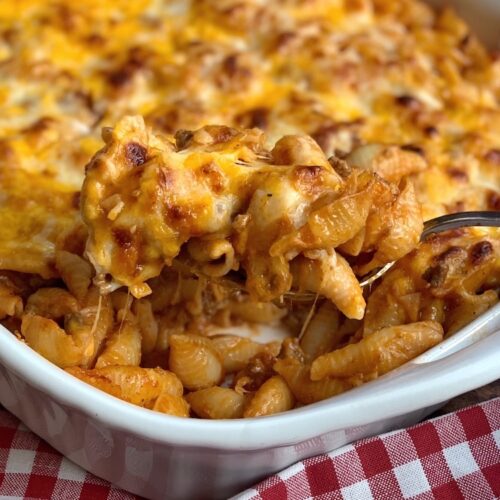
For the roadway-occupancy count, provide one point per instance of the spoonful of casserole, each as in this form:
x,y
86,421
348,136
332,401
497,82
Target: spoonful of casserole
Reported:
x,y
219,202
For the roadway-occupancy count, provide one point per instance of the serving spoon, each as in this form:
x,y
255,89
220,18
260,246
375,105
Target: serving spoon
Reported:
x,y
432,226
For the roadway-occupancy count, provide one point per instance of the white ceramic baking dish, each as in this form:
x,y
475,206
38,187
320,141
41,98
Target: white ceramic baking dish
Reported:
x,y
158,456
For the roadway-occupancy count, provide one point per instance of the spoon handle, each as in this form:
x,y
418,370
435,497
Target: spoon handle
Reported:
x,y
458,220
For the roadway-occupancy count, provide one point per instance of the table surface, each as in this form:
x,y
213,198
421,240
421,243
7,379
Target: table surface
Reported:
x,y
485,393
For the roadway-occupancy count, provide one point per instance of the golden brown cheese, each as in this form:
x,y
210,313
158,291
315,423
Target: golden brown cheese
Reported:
x,y
344,72
38,216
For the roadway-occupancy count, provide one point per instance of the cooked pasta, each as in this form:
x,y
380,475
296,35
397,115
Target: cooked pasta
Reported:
x,y
75,271
390,162
92,324
291,210
236,352
52,303
217,402
322,333
305,390
195,361
137,237
151,388
378,353
273,396
147,324
11,304
123,347
171,405
47,338
329,275
215,255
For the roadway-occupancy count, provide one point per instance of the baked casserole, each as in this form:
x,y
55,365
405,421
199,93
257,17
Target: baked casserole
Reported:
x,y
169,169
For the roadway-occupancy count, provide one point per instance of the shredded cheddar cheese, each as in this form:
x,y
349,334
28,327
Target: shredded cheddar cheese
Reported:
x,y
346,72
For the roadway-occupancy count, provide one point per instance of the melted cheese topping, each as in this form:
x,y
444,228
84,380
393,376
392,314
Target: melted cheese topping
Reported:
x,y
144,197
38,216
346,72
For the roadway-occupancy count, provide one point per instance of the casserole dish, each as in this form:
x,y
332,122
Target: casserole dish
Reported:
x,y
160,456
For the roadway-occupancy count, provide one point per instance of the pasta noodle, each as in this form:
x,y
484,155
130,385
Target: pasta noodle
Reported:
x,y
75,272
123,348
171,405
216,256
195,361
11,304
273,396
91,325
378,353
305,390
390,162
401,234
266,313
51,341
147,324
236,352
151,388
322,333
217,402
331,276
52,303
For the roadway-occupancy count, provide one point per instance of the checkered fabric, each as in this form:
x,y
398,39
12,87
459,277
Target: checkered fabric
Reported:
x,y
452,457
30,468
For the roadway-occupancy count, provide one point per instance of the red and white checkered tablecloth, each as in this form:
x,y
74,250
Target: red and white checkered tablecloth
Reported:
x,y
456,456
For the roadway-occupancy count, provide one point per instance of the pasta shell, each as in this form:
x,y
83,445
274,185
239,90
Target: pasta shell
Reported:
x,y
273,396
330,275
336,222
390,162
380,352
52,303
76,273
121,300
217,403
195,361
91,326
258,312
140,386
51,341
99,380
10,303
215,256
148,325
304,389
322,333
298,150
401,231
172,405
237,351
123,348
